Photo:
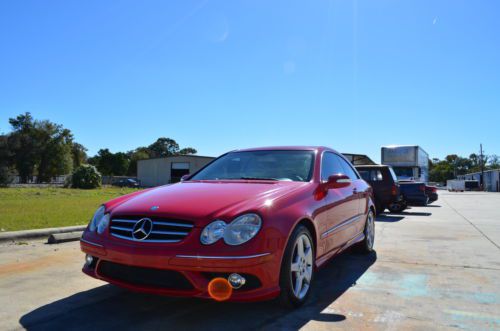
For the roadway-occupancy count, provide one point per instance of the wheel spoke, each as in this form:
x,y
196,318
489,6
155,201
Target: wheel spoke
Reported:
x,y
308,255
308,274
295,267
298,285
300,247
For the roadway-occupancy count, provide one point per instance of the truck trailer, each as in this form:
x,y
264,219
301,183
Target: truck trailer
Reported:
x,y
408,162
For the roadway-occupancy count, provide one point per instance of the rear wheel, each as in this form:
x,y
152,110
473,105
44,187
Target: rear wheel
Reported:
x,y
297,269
396,207
366,246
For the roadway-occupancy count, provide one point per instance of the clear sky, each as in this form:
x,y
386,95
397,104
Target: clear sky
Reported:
x,y
221,75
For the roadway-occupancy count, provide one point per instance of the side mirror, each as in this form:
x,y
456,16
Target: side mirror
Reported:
x,y
338,181
185,177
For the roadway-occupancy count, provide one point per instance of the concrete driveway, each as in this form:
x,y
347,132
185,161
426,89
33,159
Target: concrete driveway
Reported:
x,y
436,267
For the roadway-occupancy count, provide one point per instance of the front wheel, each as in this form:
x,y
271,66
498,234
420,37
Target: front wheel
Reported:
x,y
297,269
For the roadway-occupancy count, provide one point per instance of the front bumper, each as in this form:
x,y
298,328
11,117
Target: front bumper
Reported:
x,y
197,269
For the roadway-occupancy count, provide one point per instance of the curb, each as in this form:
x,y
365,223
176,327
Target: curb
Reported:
x,y
37,233
57,238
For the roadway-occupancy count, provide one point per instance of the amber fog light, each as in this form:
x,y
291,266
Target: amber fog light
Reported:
x,y
220,289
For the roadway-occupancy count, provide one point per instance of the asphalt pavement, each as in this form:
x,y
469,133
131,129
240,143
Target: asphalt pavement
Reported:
x,y
435,268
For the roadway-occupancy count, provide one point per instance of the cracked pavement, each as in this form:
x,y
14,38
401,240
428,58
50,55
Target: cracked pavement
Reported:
x,y
436,268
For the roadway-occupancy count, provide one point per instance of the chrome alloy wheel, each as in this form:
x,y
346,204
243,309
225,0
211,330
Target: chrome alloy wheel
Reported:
x,y
370,230
302,266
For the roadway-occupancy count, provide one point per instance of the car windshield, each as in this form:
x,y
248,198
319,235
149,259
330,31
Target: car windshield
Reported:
x,y
404,172
292,165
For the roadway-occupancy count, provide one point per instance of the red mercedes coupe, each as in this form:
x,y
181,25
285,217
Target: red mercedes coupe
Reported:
x,y
253,224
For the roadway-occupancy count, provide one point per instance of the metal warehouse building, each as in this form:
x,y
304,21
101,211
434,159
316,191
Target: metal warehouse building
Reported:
x,y
491,179
166,170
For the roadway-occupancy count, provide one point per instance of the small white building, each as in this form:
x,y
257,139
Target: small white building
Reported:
x,y
166,170
491,179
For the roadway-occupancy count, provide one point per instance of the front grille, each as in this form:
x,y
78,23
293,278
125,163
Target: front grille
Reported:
x,y
163,230
149,277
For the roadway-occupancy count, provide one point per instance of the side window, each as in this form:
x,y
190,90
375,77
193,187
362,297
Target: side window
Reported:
x,y
330,166
347,169
366,175
379,176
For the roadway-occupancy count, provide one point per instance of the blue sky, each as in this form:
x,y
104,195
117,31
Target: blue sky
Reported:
x,y
220,75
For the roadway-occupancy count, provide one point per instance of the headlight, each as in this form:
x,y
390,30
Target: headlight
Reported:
x,y
103,223
242,229
212,232
100,220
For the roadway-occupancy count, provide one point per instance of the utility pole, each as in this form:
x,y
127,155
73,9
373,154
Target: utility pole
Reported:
x,y
481,160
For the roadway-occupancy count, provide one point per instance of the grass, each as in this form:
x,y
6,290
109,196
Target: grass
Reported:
x,y
35,208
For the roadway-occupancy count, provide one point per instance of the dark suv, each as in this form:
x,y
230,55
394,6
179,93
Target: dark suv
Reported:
x,y
385,187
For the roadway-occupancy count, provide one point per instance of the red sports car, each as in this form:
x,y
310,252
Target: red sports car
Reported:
x,y
254,224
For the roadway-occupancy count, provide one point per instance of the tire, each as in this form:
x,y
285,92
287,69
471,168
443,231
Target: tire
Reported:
x,y
366,246
295,265
396,208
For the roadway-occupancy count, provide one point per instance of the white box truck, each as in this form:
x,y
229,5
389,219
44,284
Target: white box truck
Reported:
x,y
408,162
455,185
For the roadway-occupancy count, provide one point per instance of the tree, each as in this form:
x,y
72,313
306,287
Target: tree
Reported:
x,y
110,164
140,153
187,151
55,144
164,147
120,164
493,162
5,162
441,172
79,153
23,145
41,148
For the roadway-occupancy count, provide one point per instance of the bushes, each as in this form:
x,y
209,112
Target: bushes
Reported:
x,y
86,176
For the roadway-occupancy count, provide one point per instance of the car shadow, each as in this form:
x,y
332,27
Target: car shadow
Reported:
x,y
389,218
107,307
405,213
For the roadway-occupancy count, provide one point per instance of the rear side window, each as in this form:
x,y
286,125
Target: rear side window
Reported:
x,y
347,169
371,175
365,174
330,165
393,174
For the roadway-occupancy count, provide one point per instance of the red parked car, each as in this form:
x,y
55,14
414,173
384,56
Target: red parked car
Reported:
x,y
252,225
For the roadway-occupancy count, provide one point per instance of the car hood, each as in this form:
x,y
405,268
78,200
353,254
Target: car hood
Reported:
x,y
203,202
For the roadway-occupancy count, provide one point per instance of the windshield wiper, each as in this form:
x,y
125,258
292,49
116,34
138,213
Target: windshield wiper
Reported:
x,y
258,178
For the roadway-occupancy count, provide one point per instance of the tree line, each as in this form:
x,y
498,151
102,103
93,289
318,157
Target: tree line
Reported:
x,y
453,165
43,150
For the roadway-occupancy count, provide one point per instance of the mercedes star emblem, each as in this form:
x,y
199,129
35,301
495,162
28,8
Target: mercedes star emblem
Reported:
x,y
142,229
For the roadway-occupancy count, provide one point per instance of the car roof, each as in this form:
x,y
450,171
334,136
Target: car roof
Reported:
x,y
372,166
286,148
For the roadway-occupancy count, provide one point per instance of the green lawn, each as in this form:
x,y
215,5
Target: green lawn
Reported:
x,y
34,208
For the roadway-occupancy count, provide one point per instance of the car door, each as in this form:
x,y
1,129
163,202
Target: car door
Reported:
x,y
341,206
361,192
